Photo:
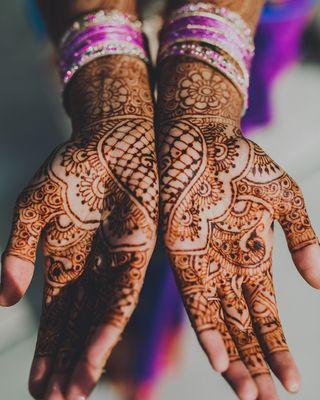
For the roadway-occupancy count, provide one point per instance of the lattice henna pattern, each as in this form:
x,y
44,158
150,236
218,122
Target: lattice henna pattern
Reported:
x,y
220,195
104,179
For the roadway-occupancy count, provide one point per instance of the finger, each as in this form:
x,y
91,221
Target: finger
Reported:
x,y
40,369
266,387
16,275
118,278
284,367
213,345
239,378
76,331
56,386
238,320
293,217
19,256
91,364
54,316
307,261
260,295
203,306
239,324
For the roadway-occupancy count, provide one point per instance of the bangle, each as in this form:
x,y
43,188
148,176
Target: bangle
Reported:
x,y
210,9
216,36
97,35
102,17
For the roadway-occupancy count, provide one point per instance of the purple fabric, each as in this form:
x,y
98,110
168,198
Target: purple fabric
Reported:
x,y
278,42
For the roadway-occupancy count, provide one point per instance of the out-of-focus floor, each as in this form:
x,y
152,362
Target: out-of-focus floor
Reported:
x,y
32,122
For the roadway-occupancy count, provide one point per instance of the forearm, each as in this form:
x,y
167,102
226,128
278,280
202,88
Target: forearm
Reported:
x,y
104,87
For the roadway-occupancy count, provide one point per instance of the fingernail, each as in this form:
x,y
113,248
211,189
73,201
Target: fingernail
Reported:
x,y
293,386
78,397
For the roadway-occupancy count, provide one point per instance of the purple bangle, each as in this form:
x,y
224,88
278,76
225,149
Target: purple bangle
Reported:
x,y
76,57
213,35
212,38
67,72
122,29
209,9
98,35
209,22
97,38
101,17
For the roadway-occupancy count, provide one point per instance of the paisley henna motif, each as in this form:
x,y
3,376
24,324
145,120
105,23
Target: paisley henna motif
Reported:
x,y
220,196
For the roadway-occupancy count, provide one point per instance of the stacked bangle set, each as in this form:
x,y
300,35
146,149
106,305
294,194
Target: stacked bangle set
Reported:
x,y
213,35
98,35
216,36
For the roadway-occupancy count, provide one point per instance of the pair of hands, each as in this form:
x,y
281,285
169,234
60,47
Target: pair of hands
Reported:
x,y
95,201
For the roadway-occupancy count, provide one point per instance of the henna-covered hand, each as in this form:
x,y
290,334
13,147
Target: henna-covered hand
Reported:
x,y
104,180
220,196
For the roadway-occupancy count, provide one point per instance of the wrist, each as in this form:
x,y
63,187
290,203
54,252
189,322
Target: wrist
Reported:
x,y
113,86
190,87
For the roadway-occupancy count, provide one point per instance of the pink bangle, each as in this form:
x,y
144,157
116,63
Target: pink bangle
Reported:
x,y
213,35
99,35
211,9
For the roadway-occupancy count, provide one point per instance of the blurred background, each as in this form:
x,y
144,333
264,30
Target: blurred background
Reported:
x,y
284,118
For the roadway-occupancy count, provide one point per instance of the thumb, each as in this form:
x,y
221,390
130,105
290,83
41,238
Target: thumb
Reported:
x,y
301,238
19,256
307,261
16,275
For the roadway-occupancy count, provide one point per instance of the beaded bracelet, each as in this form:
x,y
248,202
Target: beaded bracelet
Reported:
x,y
97,35
216,36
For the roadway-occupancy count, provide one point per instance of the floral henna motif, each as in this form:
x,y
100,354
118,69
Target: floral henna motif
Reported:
x,y
220,194
197,90
104,178
194,93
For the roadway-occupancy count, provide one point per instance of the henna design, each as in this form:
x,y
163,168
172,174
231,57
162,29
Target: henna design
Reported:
x,y
104,178
197,91
220,194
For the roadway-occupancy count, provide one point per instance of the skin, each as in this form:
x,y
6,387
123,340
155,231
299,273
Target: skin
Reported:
x,y
220,195
95,203
93,278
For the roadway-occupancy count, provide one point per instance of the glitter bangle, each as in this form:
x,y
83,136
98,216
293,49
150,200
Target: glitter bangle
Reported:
x,y
93,31
215,21
213,40
213,35
114,17
98,35
211,9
